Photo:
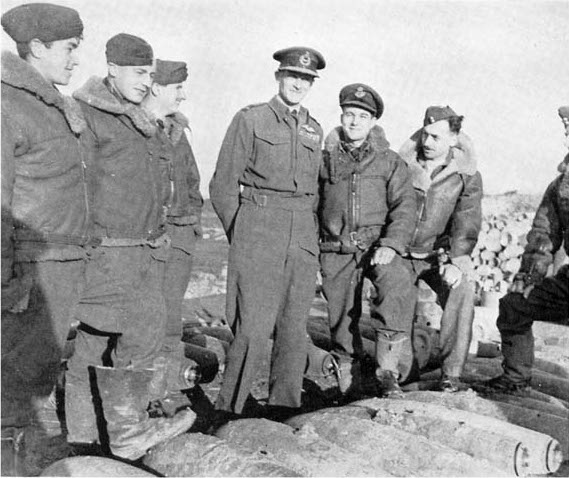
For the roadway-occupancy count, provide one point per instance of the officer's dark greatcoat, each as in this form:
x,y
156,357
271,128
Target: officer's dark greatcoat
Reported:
x,y
264,191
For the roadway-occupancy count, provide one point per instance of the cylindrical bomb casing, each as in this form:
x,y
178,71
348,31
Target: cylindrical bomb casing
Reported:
x,y
540,381
544,435
396,451
319,362
217,346
206,359
196,454
476,435
550,367
221,333
92,466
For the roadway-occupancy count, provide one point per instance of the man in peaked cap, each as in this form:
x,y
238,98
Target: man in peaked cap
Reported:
x,y
182,184
449,194
118,340
263,190
533,294
44,204
366,213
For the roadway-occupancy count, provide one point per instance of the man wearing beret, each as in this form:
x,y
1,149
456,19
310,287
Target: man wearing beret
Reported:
x,y
367,211
184,199
44,203
264,191
122,314
449,194
533,296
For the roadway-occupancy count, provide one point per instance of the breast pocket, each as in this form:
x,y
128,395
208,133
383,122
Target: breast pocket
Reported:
x,y
309,159
272,151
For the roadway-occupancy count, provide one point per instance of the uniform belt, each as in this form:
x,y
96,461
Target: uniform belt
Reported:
x,y
273,199
355,241
127,242
27,235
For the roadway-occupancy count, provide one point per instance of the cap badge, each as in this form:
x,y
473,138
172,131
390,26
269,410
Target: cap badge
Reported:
x,y
431,119
565,121
305,59
360,93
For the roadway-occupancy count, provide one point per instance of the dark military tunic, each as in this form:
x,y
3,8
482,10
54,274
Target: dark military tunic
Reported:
x,y
264,190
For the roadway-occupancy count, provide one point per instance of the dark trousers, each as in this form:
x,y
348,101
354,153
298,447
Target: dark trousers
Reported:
x,y
33,340
547,302
176,278
342,281
271,284
458,313
123,317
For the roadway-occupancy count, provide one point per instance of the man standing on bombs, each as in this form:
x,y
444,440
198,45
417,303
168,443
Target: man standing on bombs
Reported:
x,y
264,191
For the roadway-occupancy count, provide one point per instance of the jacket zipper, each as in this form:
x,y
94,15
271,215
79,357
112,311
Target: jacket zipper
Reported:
x,y
419,217
85,189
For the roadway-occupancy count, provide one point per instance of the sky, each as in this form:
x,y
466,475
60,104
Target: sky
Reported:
x,y
504,65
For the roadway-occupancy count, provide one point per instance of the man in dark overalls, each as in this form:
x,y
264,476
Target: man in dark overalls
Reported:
x,y
366,213
264,191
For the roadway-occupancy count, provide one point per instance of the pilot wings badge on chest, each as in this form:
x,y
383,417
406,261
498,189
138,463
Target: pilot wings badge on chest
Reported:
x,y
309,132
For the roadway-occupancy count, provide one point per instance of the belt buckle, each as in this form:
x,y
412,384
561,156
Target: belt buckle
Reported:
x,y
261,200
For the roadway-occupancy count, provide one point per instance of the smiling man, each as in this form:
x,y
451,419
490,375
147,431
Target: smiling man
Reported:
x,y
366,213
123,309
263,190
44,202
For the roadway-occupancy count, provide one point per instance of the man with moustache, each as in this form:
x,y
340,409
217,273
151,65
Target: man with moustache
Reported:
x,y
533,296
44,203
123,311
449,193
264,191
366,214
182,183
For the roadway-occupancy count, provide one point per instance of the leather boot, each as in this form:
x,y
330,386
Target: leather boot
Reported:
x,y
126,396
517,350
388,349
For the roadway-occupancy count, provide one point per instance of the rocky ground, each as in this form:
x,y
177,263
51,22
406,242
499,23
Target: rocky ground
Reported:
x,y
335,437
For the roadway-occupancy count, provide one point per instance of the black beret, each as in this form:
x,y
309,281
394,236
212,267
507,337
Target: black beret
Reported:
x,y
438,113
362,96
301,59
564,114
129,50
170,72
44,21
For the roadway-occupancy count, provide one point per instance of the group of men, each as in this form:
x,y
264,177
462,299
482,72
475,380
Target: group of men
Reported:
x,y
101,209
100,212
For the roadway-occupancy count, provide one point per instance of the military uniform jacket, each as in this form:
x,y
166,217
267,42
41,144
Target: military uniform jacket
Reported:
x,y
128,199
550,228
265,150
449,206
180,181
373,190
44,191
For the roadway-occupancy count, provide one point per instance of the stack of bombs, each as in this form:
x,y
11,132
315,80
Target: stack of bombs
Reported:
x,y
207,346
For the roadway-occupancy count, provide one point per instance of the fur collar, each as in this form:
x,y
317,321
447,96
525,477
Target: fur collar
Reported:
x,y
176,124
463,155
376,139
96,94
21,75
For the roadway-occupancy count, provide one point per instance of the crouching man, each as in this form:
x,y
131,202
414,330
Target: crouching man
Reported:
x,y
366,214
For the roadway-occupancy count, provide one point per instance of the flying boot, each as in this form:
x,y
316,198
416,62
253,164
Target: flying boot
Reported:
x,y
388,350
130,402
